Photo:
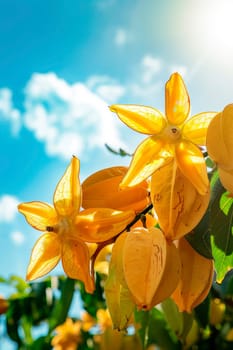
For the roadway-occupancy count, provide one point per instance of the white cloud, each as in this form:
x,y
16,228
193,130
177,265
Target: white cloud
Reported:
x,y
75,119
106,88
7,111
121,37
141,87
17,237
145,93
150,67
145,81
8,208
69,119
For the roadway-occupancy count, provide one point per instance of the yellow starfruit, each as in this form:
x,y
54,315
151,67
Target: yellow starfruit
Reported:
x,y
195,280
147,220
145,262
171,275
219,144
101,190
172,136
109,339
67,229
226,178
118,297
101,224
177,203
219,140
132,342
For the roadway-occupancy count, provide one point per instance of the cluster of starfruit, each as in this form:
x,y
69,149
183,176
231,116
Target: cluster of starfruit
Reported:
x,y
151,264
139,215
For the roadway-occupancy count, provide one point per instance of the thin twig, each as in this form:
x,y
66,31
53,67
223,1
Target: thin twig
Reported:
x,y
113,239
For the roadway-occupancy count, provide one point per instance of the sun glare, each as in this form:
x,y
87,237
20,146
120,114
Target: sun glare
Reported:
x,y
216,22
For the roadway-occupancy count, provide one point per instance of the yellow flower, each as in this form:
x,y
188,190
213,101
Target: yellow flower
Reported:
x,y
67,229
68,335
103,319
173,136
87,321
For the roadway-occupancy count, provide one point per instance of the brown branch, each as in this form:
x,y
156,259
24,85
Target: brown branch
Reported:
x,y
113,239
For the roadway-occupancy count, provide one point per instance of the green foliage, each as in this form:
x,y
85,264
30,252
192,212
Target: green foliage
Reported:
x,y
221,222
93,302
179,322
119,152
159,332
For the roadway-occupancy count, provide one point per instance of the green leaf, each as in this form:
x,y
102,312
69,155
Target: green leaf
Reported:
x,y
142,318
159,333
202,312
209,163
41,343
21,286
199,238
95,301
61,309
229,287
119,152
13,321
221,221
179,322
3,280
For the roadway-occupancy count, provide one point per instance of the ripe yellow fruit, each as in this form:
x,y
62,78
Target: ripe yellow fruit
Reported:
x,y
118,297
131,342
226,178
110,339
147,257
176,201
171,275
101,190
219,140
195,280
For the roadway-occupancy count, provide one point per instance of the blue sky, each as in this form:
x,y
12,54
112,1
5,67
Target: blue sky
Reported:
x,y
62,62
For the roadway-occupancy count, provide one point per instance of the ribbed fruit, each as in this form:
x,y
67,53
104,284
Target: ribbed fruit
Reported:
x,y
195,280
